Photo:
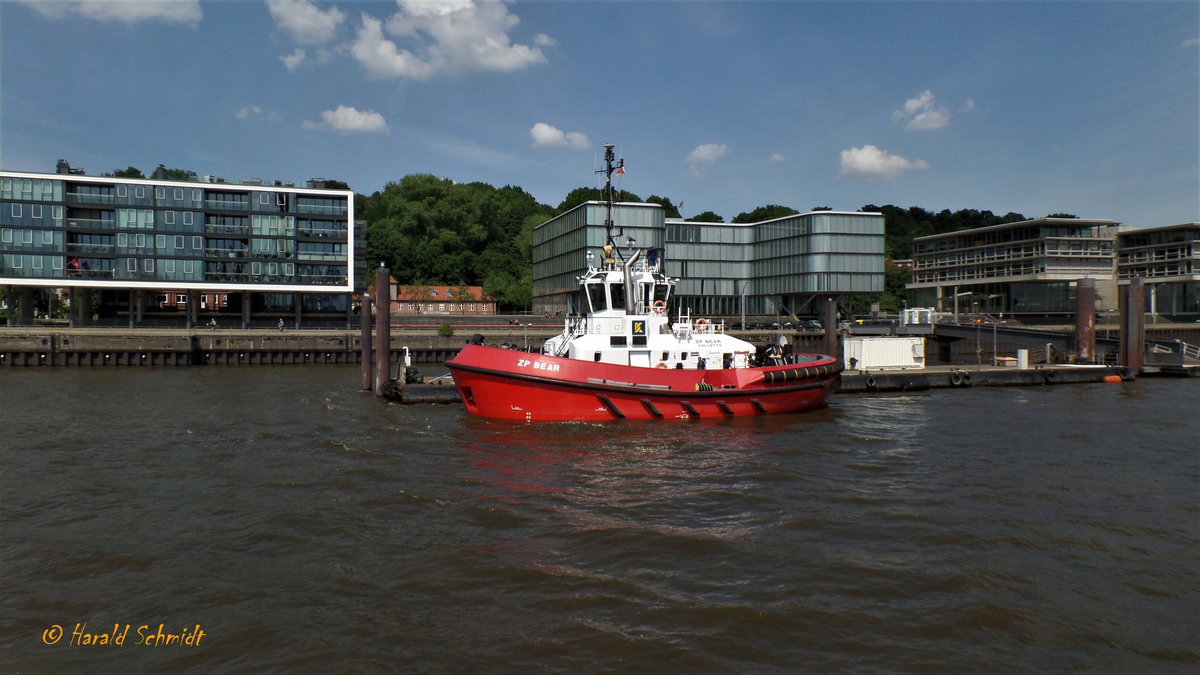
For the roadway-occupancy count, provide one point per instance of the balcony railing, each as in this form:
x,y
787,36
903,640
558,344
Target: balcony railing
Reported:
x,y
225,253
90,224
105,249
89,198
241,230
321,209
314,256
90,274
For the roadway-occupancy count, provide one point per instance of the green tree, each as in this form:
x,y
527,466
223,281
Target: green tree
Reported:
x,y
434,231
585,194
768,212
669,209
178,175
1062,215
706,217
131,172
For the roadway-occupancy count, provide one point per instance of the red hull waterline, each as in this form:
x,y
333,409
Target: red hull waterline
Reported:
x,y
512,385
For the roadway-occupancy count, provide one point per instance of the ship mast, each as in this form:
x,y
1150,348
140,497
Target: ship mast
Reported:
x,y
609,191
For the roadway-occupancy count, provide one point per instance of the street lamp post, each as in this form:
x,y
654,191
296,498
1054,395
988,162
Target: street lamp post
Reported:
x,y
742,325
978,347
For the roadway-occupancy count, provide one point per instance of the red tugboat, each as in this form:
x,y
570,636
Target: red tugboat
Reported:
x,y
626,359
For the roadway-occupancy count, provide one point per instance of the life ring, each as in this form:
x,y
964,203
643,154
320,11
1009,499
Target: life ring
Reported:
x,y
661,365
870,382
658,306
702,325
1050,377
956,379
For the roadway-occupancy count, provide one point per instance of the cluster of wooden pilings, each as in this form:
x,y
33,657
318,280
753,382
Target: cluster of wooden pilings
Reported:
x,y
377,363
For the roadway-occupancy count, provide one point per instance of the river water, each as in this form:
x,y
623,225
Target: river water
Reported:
x,y
293,523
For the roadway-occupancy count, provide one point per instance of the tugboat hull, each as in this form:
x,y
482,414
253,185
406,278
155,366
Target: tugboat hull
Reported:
x,y
512,385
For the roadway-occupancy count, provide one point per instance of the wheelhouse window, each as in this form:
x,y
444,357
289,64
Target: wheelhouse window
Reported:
x,y
597,297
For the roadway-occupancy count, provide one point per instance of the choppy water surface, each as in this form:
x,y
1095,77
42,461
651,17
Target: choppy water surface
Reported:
x,y
304,525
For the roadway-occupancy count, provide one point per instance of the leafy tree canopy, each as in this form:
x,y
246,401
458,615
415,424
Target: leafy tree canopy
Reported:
x,y
179,175
587,194
131,172
901,226
669,209
706,217
768,212
435,231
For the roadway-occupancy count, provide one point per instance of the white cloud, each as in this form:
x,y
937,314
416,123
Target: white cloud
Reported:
x,y
186,12
969,105
546,136
706,155
248,111
307,24
443,38
294,60
1192,42
871,163
776,157
349,120
923,113
543,40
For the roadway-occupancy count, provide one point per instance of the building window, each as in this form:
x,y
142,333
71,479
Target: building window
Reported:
x,y
139,191
160,193
197,243
178,194
16,210
169,218
122,190
187,218
36,211
179,241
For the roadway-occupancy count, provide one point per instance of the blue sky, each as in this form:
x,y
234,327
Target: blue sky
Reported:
x,y
1089,108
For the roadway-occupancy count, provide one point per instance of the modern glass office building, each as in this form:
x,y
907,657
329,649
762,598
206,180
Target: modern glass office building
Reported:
x,y
269,249
1026,268
780,266
1167,260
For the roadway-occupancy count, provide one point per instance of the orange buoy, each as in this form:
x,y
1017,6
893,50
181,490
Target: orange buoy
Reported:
x,y
1112,379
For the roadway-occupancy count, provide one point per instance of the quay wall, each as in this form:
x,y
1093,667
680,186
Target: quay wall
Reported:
x,y
145,347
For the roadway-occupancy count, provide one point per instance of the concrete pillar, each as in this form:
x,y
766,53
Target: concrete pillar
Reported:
x,y
1133,324
10,300
1085,321
141,305
383,329
83,306
364,342
297,304
26,304
193,307
245,310
72,301
132,308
